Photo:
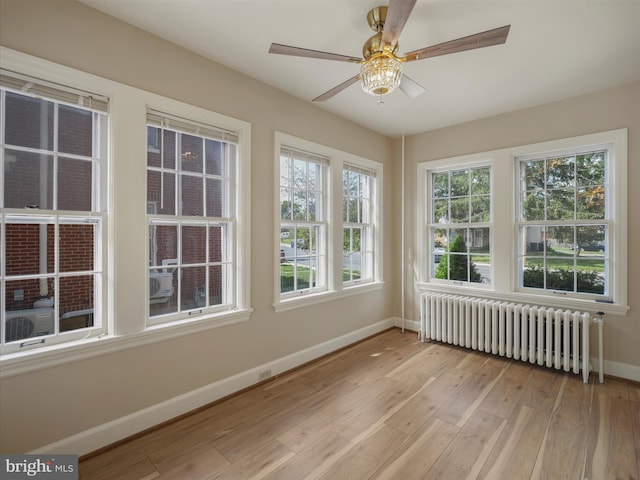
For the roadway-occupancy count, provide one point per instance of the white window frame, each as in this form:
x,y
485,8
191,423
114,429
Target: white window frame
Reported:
x,y
335,287
55,217
473,163
125,320
505,230
366,200
230,191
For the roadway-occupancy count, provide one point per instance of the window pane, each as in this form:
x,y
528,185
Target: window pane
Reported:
x,y
164,244
300,174
590,275
560,172
480,209
459,183
214,152
75,131
480,269
590,169
162,293
28,122
591,203
591,239
560,205
440,211
192,287
216,284
191,153
76,299
533,205
286,210
192,196
440,185
460,210
76,245
215,198
285,171
28,180
24,244
74,184
216,247
161,188
534,174
193,244
300,205
480,181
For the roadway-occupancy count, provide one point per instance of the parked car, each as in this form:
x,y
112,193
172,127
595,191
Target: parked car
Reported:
x,y
438,252
592,247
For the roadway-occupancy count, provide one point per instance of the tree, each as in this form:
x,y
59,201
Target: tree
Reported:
x,y
457,264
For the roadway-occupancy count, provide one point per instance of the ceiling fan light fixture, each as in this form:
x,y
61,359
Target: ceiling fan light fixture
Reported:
x,y
380,75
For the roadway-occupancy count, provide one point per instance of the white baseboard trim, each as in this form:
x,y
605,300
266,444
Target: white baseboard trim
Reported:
x,y
617,369
102,435
412,325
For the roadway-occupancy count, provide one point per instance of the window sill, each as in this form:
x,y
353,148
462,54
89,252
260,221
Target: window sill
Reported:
x,y
518,297
32,360
313,299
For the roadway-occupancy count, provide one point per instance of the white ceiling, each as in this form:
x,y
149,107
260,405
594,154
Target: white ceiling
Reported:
x,y
555,49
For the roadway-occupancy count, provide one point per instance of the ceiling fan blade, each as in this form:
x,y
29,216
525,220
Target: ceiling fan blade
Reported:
x,y
397,15
410,87
496,36
305,52
337,89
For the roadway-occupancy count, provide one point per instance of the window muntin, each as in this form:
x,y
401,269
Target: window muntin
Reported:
x,y
191,189
303,243
53,157
460,224
564,222
358,216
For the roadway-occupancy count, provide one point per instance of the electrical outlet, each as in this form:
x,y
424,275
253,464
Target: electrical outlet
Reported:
x,y
264,375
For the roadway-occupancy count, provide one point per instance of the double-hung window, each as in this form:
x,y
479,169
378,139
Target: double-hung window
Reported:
x,y
328,223
542,223
53,166
303,222
192,217
358,217
564,221
459,227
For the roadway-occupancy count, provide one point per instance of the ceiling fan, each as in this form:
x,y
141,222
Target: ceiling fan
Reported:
x,y
381,67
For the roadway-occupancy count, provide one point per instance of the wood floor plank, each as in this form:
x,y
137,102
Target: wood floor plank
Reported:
x,y
367,456
507,391
390,407
466,453
321,453
611,452
516,451
471,394
423,448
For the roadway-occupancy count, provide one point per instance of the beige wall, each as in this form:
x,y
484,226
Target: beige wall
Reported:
x,y
42,407
601,111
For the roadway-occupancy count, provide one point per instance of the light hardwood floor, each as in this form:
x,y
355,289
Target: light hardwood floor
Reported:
x,y
391,407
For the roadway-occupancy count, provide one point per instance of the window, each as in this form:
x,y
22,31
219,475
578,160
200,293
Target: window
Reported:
x,y
358,216
53,155
460,224
191,202
564,219
558,221
327,237
303,185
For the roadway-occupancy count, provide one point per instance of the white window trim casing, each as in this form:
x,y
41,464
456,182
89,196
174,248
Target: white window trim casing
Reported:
x,y
126,323
504,236
334,197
